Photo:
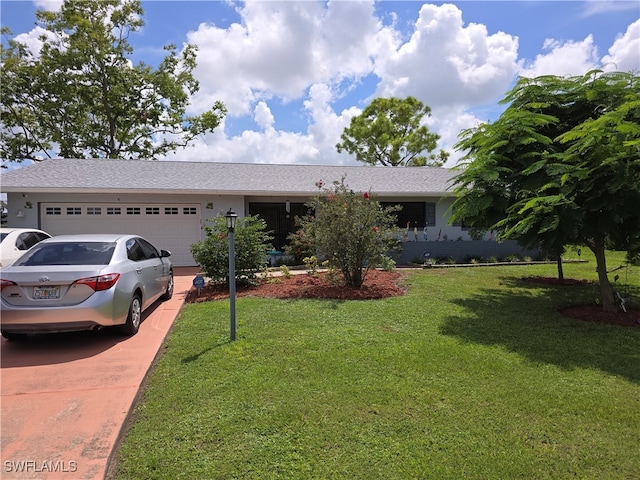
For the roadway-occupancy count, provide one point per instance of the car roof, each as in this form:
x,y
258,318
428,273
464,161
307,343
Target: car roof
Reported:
x,y
10,229
90,237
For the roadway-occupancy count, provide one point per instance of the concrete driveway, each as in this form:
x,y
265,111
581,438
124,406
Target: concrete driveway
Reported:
x,y
66,397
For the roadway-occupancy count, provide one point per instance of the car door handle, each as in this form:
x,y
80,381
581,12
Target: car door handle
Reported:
x,y
138,271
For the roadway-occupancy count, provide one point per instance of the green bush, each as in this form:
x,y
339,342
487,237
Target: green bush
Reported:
x,y
252,241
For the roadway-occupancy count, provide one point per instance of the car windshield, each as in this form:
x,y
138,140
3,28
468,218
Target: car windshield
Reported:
x,y
69,253
3,236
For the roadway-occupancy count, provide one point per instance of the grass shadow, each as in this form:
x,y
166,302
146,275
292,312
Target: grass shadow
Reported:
x,y
196,356
523,318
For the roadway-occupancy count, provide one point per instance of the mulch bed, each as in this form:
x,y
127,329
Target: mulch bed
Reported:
x,y
378,284
590,313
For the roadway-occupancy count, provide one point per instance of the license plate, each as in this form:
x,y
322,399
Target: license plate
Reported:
x,y
46,293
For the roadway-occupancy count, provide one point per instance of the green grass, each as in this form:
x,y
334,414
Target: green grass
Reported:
x,y
472,374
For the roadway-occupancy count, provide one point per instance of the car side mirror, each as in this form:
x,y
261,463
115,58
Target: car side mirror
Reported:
x,y
165,253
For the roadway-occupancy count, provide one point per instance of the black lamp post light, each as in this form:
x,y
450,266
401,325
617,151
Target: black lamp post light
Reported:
x,y
231,227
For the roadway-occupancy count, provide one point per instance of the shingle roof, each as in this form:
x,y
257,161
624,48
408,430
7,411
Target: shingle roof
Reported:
x,y
148,176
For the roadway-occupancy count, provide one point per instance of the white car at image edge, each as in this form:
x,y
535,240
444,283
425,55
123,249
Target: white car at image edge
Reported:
x,y
15,241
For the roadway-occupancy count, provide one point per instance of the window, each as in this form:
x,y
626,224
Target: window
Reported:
x,y
53,211
94,211
114,211
134,251
139,250
431,215
41,236
148,249
74,210
414,214
189,210
69,253
171,210
133,211
27,240
152,211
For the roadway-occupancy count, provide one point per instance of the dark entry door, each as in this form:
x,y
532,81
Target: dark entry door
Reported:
x,y
279,222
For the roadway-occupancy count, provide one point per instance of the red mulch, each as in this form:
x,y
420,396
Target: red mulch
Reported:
x,y
377,284
382,284
594,313
591,313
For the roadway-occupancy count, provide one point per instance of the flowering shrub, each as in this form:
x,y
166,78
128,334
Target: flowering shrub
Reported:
x,y
251,243
351,230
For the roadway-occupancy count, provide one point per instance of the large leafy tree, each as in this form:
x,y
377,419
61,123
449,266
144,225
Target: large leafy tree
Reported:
x,y
561,165
389,132
79,95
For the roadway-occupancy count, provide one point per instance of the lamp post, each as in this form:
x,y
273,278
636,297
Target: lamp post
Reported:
x,y
231,227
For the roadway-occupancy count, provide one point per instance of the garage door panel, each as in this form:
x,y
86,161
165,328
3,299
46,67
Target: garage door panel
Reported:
x,y
173,227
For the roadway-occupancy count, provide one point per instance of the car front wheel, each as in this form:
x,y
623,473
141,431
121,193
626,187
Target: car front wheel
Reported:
x,y
134,317
168,293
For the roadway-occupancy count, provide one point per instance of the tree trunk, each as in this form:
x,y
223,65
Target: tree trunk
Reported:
x,y
606,290
560,269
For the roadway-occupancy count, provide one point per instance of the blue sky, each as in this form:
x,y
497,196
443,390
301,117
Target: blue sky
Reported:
x,y
294,73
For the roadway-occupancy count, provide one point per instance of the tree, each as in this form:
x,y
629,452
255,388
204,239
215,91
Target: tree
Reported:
x,y
388,132
80,96
352,230
560,166
252,242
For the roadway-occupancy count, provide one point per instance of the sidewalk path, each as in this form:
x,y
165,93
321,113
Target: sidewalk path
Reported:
x,y
65,397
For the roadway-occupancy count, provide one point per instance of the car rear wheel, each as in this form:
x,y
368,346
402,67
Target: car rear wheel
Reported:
x,y
168,293
132,324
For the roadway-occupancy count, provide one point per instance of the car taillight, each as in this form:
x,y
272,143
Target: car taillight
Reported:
x,y
101,282
5,283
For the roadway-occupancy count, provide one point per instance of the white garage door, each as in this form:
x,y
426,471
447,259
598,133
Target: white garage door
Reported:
x,y
169,227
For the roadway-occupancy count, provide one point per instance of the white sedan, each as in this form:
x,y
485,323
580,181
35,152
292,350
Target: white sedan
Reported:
x,y
15,241
83,282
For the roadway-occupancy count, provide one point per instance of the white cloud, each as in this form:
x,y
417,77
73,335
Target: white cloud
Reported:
x,y
32,39
564,59
280,49
51,5
448,123
624,54
326,125
263,116
448,63
597,7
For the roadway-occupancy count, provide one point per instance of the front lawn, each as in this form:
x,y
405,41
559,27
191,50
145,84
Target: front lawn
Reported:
x,y
472,374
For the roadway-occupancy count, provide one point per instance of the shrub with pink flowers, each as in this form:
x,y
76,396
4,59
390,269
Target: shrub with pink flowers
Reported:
x,y
351,230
